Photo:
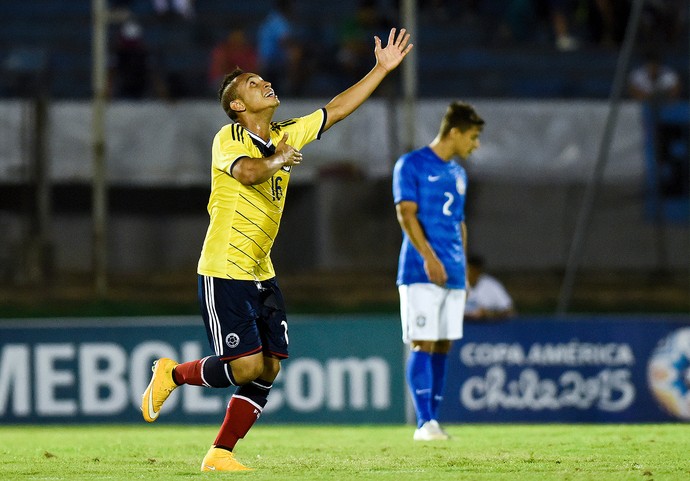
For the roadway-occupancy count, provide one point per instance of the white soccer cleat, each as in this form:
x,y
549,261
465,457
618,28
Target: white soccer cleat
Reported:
x,y
438,426
430,431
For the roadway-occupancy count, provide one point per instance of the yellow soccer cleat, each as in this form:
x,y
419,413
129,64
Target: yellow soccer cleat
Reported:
x,y
159,389
222,460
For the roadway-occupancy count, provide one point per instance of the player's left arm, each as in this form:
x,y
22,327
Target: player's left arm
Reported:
x,y
387,59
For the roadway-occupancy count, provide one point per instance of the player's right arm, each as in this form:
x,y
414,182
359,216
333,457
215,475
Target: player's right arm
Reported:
x,y
252,171
407,218
387,59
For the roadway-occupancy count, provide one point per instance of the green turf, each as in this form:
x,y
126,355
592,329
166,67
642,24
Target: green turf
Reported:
x,y
338,453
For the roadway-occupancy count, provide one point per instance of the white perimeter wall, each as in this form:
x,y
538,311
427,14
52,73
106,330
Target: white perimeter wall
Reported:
x,y
526,185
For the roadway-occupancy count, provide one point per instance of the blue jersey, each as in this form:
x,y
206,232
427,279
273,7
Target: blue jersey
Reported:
x,y
438,188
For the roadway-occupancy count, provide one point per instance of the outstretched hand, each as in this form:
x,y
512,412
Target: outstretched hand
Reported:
x,y
390,56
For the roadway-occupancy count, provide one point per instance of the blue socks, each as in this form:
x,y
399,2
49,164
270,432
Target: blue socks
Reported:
x,y
426,380
419,381
439,364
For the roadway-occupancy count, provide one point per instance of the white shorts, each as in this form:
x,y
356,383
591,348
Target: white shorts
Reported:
x,y
431,313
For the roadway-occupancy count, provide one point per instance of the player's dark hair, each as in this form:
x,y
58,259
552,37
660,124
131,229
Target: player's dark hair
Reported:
x,y
462,116
227,93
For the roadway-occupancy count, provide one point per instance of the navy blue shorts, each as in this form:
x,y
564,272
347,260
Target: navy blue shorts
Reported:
x,y
243,317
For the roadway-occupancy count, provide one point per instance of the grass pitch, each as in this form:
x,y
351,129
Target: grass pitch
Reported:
x,y
338,453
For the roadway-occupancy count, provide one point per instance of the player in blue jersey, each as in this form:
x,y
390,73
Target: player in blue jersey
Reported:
x,y
429,189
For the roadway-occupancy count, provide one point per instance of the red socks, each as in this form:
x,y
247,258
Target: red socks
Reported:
x,y
244,409
245,405
239,418
189,373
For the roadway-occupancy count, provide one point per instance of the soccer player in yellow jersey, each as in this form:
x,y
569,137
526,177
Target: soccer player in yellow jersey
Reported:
x,y
241,303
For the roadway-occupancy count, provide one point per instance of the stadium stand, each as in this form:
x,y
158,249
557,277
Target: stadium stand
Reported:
x,y
48,43
468,54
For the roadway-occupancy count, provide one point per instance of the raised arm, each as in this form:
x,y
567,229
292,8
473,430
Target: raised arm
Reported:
x,y
387,59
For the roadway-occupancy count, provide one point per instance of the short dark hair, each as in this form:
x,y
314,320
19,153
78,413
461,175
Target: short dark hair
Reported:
x,y
227,94
460,115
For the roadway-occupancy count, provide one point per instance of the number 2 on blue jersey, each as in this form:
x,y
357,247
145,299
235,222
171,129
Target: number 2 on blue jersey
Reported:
x,y
448,203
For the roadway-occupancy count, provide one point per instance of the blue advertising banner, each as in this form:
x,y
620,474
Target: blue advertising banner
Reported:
x,y
350,369
341,370
591,369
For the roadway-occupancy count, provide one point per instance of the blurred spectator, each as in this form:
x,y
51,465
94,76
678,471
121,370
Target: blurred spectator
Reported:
x,y
183,8
281,53
523,20
561,15
235,50
486,298
663,20
132,75
120,10
355,37
654,81
606,21
518,21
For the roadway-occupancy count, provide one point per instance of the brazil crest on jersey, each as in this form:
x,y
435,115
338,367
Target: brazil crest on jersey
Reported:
x,y
438,188
244,219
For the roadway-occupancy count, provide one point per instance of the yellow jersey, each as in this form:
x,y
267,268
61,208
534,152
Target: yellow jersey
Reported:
x,y
244,219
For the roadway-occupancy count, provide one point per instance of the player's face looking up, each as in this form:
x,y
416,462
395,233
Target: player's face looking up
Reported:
x,y
253,94
465,142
